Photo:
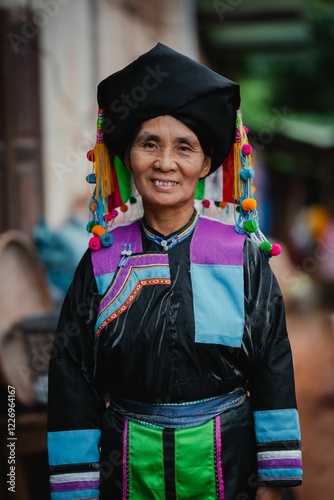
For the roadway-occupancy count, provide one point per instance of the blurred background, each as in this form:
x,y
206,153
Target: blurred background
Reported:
x,y
53,53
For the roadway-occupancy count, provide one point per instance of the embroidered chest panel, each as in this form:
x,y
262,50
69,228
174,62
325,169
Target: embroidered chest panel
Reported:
x,y
216,268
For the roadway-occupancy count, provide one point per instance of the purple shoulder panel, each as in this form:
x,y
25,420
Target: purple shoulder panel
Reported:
x,y
106,259
216,243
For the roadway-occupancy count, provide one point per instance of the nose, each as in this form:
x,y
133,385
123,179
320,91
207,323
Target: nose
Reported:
x,y
165,160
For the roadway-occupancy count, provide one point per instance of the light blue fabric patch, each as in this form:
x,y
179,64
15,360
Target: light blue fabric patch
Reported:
x,y
72,447
277,425
103,281
72,495
287,474
218,295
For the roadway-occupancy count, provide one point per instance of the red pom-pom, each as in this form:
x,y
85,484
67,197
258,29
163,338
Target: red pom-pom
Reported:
x,y
94,243
275,249
246,149
206,203
124,208
90,155
114,213
107,217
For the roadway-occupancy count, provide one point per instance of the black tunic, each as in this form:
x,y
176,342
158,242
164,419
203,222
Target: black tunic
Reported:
x,y
148,354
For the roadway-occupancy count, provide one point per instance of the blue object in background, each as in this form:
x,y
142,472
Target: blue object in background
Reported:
x,y
60,252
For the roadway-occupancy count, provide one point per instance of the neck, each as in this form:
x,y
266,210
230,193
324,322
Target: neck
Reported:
x,y
167,221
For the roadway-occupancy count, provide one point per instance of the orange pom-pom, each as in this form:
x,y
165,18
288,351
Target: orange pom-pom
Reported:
x,y
248,204
124,208
222,204
98,230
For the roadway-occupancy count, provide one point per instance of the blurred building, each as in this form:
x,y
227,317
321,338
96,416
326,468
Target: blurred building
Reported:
x,y
53,54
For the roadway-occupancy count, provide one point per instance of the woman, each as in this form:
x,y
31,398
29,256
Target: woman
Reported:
x,y
171,374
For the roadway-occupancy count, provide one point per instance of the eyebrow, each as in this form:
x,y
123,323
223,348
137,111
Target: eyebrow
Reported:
x,y
146,135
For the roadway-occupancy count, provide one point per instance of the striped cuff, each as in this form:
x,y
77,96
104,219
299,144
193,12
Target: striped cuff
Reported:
x,y
74,464
278,443
77,484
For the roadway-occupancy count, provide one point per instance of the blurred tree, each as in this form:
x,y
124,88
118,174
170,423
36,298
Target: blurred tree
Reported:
x,y
281,53
311,71
302,78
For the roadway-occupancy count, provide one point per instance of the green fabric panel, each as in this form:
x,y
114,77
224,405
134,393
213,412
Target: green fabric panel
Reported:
x,y
146,470
195,473
199,193
124,179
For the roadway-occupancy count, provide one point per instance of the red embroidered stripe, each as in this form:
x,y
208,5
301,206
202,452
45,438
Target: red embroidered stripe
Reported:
x,y
131,298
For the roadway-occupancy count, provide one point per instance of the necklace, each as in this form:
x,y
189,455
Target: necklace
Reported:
x,y
168,243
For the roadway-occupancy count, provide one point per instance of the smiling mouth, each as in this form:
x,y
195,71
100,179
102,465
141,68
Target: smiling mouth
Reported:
x,y
164,183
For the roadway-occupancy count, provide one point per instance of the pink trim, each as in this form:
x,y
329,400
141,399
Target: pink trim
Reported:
x,y
221,488
125,460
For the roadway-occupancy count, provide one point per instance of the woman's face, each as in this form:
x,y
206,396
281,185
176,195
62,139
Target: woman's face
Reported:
x,y
166,161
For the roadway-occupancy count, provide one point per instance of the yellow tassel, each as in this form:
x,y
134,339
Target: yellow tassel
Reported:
x,y
238,183
237,167
102,169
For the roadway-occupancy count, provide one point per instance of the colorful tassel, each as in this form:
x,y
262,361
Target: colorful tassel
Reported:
x,y
248,220
101,160
102,168
237,156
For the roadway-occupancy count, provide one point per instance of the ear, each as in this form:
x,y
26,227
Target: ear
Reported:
x,y
206,167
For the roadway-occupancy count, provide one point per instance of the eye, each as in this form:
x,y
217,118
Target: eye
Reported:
x,y
184,148
149,145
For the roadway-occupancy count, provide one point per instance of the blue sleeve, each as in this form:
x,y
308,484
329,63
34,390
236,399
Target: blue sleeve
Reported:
x,y
75,407
272,387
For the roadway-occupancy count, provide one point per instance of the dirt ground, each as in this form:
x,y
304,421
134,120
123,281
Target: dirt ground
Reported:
x,y
312,341
311,333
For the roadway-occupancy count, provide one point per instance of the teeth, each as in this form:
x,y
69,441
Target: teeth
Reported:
x,y
162,183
